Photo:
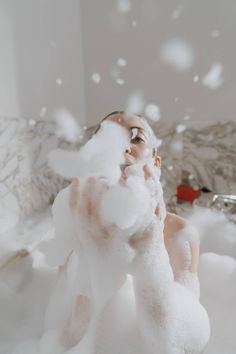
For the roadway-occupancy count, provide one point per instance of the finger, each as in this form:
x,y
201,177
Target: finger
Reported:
x,y
151,182
96,208
74,193
123,179
148,173
87,196
158,211
129,171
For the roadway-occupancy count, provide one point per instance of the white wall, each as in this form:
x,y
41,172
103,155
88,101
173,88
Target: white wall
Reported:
x,y
42,40
108,34
8,94
41,43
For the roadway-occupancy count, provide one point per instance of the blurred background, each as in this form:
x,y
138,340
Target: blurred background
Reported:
x,y
93,57
64,65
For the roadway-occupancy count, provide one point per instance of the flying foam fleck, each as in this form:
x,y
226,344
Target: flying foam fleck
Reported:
x,y
213,78
96,78
68,128
152,112
178,53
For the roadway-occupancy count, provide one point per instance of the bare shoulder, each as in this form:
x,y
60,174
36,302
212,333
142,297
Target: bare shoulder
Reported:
x,y
175,228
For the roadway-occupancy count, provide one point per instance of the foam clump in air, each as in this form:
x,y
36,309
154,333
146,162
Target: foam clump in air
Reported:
x,y
213,78
152,112
135,103
124,6
178,53
68,127
101,156
96,78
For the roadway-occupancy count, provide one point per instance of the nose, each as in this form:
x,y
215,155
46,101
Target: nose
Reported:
x,y
128,150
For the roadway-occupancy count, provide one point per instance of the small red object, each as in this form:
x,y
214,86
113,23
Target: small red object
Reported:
x,y
186,193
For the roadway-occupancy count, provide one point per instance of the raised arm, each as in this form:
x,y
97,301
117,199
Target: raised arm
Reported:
x,y
169,315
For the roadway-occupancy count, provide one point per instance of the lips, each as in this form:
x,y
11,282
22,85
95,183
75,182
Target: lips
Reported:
x,y
129,160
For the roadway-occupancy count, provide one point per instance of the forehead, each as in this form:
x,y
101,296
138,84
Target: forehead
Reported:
x,y
128,121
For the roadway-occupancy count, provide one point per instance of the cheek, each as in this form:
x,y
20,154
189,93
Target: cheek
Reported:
x,y
142,152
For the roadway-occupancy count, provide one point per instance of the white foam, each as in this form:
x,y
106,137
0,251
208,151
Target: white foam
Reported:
x,y
96,77
178,53
135,103
152,112
124,6
102,155
121,62
213,78
68,128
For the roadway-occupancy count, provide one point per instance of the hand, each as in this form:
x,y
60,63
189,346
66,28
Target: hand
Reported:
x,y
105,246
85,203
151,176
148,242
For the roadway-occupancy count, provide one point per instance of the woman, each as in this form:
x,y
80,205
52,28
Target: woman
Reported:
x,y
167,317
125,291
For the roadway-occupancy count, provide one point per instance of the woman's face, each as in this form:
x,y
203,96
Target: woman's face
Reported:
x,y
139,148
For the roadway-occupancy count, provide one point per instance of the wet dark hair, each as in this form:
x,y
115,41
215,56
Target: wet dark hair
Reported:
x,y
112,114
102,120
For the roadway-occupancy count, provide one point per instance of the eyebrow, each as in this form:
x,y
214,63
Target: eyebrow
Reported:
x,y
140,129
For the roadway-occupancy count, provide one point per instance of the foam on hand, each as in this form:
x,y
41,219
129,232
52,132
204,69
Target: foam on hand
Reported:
x,y
133,204
125,205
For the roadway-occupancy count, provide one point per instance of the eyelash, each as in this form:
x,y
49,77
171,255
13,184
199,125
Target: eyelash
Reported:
x,y
138,139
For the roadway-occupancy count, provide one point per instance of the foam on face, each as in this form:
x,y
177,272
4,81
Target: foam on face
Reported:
x,y
101,156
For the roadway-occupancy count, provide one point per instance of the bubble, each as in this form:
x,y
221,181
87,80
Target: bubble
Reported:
x,y
59,81
124,6
180,128
178,53
135,103
32,122
96,78
68,128
176,148
120,81
121,62
213,78
43,112
152,112
177,12
215,33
